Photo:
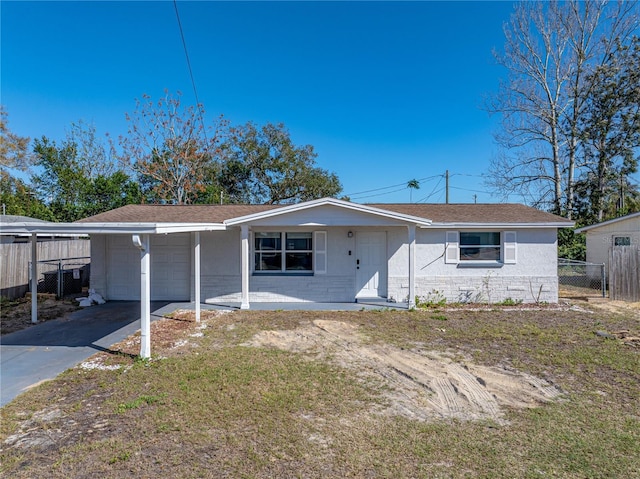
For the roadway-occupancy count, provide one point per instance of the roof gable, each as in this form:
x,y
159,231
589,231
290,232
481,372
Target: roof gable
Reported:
x,y
329,212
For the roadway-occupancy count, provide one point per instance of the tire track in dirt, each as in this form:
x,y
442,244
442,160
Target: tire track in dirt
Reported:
x,y
419,385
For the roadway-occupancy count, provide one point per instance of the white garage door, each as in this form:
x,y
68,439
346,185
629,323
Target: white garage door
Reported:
x,y
170,268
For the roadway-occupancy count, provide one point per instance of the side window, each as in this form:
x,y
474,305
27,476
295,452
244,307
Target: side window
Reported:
x,y
480,246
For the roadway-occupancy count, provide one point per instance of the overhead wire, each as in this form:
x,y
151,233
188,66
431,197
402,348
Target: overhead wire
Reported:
x,y
193,82
404,184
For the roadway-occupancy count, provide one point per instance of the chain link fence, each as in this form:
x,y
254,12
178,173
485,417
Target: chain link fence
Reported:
x,y
63,276
579,278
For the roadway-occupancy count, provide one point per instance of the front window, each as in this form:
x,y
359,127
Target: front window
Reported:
x,y
479,246
294,254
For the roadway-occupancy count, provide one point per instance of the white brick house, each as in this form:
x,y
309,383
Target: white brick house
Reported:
x,y
329,250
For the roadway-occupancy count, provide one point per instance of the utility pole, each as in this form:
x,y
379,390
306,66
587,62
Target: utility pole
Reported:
x,y
475,199
447,186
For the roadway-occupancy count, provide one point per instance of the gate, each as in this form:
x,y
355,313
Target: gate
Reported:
x,y
579,278
63,276
624,277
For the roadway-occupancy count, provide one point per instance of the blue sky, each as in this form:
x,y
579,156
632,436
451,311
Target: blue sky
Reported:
x,y
385,91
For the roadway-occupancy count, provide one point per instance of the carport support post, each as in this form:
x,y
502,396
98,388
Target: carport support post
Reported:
x,y
412,266
196,273
244,241
34,278
145,298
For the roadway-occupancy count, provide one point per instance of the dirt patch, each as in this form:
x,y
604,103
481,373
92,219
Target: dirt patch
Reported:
x,y
16,315
420,385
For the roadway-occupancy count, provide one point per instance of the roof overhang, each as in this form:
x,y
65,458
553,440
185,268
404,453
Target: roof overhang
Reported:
x,y
503,226
328,202
584,229
84,229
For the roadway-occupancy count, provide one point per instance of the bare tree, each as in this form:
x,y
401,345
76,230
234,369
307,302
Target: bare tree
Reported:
x,y
550,51
169,148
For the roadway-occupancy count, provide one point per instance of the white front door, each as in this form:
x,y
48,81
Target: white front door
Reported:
x,y
371,264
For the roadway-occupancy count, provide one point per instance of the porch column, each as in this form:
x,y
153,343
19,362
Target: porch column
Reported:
x,y
244,242
196,273
34,278
142,243
412,266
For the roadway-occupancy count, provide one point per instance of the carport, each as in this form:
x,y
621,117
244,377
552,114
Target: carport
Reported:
x,y
140,234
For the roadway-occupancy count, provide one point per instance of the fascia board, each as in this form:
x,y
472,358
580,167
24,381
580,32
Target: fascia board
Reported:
x,y
107,228
327,201
502,225
584,229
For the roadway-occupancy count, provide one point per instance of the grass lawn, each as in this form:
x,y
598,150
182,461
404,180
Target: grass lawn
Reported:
x,y
212,403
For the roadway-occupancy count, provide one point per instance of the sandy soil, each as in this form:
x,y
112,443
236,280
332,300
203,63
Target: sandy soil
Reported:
x,y
420,385
16,315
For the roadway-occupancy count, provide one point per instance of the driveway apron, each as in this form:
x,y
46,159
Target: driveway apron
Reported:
x,y
38,353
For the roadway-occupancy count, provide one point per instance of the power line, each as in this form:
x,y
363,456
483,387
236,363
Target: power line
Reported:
x,y
392,186
380,194
193,82
433,191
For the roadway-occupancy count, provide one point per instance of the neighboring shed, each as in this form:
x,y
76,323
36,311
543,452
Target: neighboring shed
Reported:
x,y
616,244
601,237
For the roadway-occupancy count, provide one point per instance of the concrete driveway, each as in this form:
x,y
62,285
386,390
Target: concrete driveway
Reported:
x,y
41,352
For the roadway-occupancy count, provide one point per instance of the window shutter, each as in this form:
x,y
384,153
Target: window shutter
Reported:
x,y
320,252
510,247
452,250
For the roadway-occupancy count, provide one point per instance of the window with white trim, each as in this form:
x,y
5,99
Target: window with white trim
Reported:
x,y
283,252
480,247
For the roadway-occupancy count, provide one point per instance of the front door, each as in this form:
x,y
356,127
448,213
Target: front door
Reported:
x,y
371,264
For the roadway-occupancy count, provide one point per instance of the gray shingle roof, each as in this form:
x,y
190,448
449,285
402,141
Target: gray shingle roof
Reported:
x,y
438,213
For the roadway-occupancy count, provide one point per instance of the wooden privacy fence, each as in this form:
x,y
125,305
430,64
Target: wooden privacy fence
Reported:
x,y
624,274
15,259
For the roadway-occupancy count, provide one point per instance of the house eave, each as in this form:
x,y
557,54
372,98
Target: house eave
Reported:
x,y
476,225
83,229
584,229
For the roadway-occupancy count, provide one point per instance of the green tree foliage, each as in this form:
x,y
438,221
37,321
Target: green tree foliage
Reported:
x,y
73,184
19,199
170,150
262,165
14,149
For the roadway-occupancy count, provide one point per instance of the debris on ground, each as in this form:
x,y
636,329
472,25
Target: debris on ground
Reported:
x,y
624,335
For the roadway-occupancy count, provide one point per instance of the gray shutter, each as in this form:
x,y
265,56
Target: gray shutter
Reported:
x,y
452,249
320,252
510,246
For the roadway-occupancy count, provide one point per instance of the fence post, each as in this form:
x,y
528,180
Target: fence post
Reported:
x,y
60,279
604,280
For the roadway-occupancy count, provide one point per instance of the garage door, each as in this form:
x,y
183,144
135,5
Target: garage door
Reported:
x,y
170,268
